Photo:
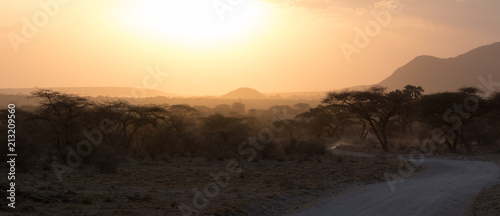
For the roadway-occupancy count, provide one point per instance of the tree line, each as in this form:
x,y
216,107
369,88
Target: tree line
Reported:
x,y
452,118
54,129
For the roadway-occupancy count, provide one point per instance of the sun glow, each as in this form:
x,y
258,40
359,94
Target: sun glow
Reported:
x,y
193,21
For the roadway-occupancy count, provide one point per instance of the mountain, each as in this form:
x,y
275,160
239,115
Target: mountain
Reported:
x,y
438,74
244,93
93,91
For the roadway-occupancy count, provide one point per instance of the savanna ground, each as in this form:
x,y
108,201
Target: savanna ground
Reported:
x,y
160,187
143,186
191,145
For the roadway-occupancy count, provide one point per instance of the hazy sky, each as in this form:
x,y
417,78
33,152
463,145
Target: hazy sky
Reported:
x,y
210,47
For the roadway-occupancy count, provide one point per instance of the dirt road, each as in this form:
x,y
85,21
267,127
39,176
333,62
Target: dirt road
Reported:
x,y
442,189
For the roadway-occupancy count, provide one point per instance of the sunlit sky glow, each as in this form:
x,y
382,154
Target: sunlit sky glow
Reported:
x,y
269,45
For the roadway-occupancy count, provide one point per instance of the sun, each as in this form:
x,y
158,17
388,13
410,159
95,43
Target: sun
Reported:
x,y
193,21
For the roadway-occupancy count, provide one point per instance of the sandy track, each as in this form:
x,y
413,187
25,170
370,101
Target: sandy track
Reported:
x,y
442,189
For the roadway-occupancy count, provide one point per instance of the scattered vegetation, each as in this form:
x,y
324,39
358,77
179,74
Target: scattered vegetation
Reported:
x,y
486,203
106,135
72,129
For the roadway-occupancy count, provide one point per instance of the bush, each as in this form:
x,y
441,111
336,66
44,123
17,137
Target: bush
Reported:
x,y
310,147
29,154
213,150
274,151
105,159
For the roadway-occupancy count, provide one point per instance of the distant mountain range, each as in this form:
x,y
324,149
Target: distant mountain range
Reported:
x,y
432,73
437,74
94,91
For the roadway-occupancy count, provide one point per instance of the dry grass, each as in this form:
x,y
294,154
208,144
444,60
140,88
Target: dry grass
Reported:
x,y
159,187
486,203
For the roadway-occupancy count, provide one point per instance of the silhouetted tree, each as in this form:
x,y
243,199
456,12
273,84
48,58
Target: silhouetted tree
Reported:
x,y
126,119
452,112
65,116
282,111
301,107
330,119
374,106
238,108
223,133
407,115
139,117
290,126
222,109
180,118
488,126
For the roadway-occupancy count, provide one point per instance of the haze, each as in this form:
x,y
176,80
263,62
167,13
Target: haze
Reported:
x,y
269,45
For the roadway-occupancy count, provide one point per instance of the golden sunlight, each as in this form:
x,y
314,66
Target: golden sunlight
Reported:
x,y
192,21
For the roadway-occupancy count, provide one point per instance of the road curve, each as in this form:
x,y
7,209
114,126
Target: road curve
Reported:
x,y
442,189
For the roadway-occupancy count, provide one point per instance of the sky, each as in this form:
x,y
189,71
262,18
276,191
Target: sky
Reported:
x,y
210,47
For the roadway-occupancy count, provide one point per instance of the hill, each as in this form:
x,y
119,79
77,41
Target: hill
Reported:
x,y
244,93
437,74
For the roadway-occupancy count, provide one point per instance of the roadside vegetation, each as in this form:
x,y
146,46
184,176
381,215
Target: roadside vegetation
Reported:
x,y
68,131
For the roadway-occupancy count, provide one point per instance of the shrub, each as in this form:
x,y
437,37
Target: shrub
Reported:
x,y
274,151
105,159
29,154
310,147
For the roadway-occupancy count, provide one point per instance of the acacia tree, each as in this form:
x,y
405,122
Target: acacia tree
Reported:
x,y
139,117
374,106
330,119
173,135
452,113
127,119
112,112
179,118
65,115
489,125
238,108
290,126
408,115
222,132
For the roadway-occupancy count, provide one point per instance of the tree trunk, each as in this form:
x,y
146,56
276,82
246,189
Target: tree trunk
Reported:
x,y
364,132
403,126
410,127
454,145
467,143
384,138
449,144
380,136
